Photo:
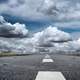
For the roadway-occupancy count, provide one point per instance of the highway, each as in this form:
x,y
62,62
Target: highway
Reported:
x,y
40,67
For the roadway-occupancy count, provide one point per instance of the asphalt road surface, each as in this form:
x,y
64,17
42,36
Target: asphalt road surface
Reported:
x,y
40,67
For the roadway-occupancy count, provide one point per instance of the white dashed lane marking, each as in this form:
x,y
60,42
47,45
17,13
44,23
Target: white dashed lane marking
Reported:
x,y
49,75
47,56
47,60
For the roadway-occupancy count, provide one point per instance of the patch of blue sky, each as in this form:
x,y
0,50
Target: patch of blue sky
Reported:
x,y
36,25
3,1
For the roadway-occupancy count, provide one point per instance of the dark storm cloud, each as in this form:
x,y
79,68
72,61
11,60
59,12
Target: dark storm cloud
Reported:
x,y
48,8
12,30
47,44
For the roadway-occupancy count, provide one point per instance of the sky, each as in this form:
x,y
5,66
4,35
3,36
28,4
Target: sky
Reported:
x,y
64,14
30,20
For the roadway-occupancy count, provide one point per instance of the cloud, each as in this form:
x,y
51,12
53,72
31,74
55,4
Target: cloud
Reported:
x,y
15,45
52,39
49,37
68,24
12,30
69,46
2,20
25,7
26,46
48,7
52,34
13,37
43,9
48,40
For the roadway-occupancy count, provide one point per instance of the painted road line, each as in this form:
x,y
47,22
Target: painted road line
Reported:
x,y
47,56
47,60
48,75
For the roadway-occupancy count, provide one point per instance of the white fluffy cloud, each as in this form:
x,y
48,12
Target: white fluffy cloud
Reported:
x,y
54,39
12,30
50,39
52,34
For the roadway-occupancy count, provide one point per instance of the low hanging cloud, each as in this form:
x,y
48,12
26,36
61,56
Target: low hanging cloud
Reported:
x,y
68,46
27,45
19,46
12,30
52,40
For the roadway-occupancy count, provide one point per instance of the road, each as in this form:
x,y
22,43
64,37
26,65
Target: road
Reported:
x,y
40,67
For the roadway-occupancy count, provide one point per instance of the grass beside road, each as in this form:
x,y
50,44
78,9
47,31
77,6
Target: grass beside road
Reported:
x,y
7,54
11,54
